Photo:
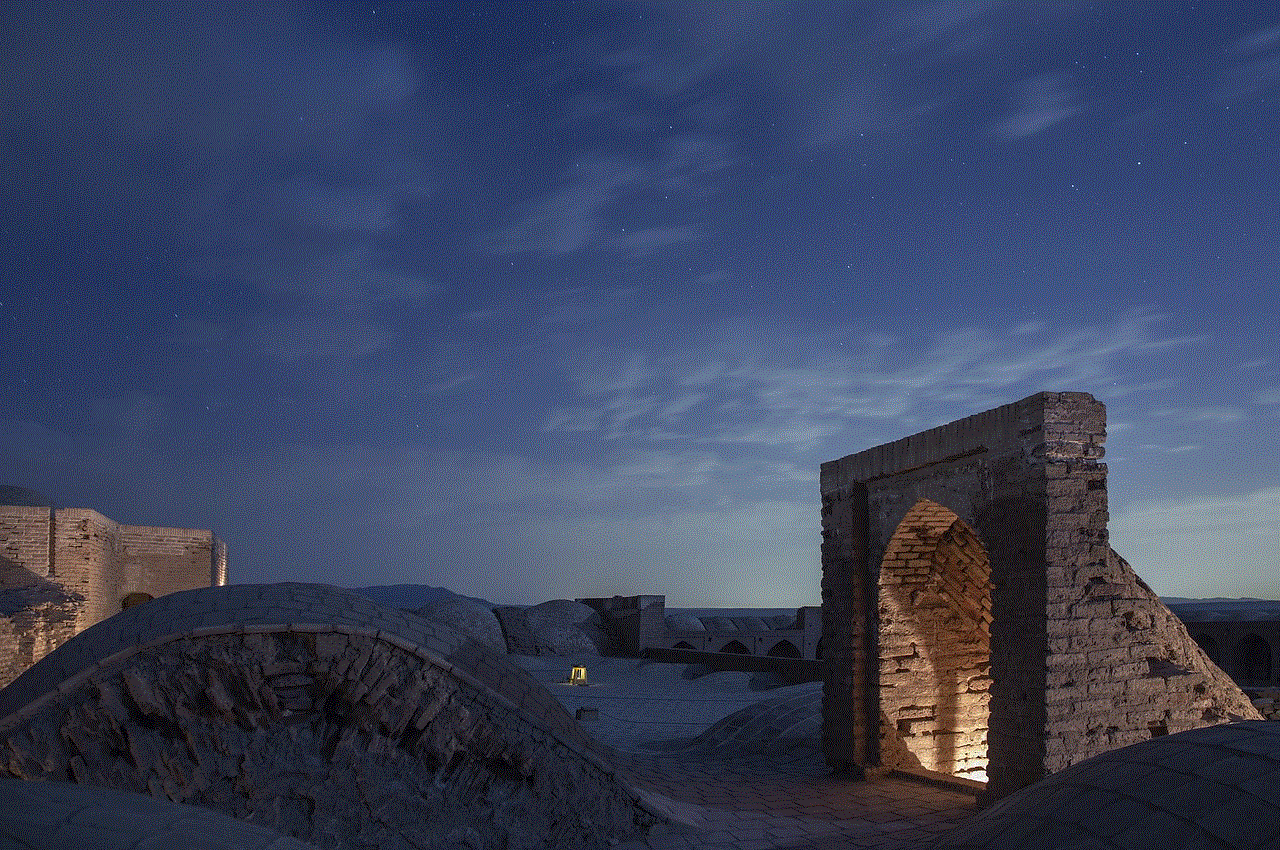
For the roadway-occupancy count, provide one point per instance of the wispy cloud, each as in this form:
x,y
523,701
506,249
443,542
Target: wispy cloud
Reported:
x,y
318,336
1190,547
1169,450
1267,397
588,209
1210,414
569,218
799,390
1253,66
179,142
1042,102
947,24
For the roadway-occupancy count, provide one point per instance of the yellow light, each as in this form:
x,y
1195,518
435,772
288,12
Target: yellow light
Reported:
x,y
578,676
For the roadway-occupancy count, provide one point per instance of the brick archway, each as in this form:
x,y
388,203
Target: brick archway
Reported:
x,y
784,649
934,635
1084,657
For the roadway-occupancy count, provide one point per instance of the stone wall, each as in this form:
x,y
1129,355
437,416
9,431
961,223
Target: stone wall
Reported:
x,y
95,562
988,536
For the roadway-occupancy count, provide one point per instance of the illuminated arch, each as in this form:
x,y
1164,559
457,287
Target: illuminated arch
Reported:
x,y
935,645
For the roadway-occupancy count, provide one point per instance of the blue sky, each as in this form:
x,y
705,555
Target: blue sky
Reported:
x,y
538,301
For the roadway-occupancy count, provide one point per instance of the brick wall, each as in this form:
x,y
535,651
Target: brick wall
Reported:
x,y
89,564
88,560
934,638
24,540
164,560
1082,656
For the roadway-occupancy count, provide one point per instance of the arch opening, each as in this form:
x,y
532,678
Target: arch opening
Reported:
x,y
735,647
935,644
135,598
1253,660
784,649
684,644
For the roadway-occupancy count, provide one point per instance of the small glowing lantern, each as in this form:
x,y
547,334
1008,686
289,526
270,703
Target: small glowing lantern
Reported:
x,y
578,676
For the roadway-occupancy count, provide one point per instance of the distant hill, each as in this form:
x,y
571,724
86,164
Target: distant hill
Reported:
x,y
1229,610
411,596
1212,600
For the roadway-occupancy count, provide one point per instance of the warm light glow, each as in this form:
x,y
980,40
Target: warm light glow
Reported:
x,y
578,676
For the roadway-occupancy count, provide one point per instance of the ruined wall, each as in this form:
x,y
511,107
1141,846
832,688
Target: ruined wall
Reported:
x,y
24,539
88,560
36,617
90,563
164,560
1081,657
1129,670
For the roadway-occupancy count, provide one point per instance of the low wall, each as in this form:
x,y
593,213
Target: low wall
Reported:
x,y
798,669
639,624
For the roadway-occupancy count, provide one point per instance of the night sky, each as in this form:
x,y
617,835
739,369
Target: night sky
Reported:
x,y
538,301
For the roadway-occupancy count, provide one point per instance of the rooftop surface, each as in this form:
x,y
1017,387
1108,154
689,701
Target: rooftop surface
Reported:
x,y
731,758
739,767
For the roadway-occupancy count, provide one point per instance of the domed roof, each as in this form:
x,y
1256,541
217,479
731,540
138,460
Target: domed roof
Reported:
x,y
1213,787
22,496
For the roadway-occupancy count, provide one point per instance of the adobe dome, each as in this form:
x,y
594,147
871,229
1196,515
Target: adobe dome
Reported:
x,y
1209,787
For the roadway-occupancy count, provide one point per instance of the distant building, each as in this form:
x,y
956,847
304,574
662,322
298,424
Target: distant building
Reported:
x,y
1242,636
65,569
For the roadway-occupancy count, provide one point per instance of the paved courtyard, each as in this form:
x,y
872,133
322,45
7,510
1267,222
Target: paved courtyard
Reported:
x,y
755,780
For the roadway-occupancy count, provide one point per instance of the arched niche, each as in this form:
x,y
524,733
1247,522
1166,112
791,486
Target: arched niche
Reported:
x,y
784,649
135,598
934,618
